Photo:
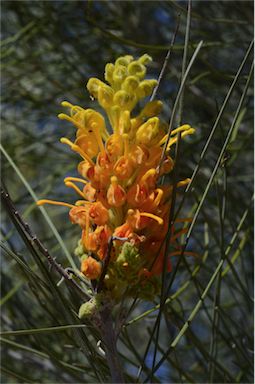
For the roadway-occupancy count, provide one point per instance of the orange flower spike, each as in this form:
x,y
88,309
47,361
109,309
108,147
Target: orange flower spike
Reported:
x,y
98,213
101,253
163,219
154,157
103,170
91,268
77,149
88,143
90,242
89,192
114,146
101,196
95,123
138,154
119,175
94,241
86,170
137,195
139,220
123,168
101,180
159,195
78,216
76,117
149,178
116,195
134,219
124,230
77,189
148,205
70,178
149,215
103,161
153,201
105,233
150,132
54,202
104,236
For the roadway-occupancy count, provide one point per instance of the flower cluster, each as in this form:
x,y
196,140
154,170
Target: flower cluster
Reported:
x,y
121,197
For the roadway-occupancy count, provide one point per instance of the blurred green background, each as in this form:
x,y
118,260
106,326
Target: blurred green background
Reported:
x,y
49,51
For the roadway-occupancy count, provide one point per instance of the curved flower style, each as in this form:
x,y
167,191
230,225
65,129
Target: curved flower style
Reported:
x,y
121,195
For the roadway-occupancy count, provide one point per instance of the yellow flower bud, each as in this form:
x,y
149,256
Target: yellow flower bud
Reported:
x,y
93,120
149,132
119,73
153,108
105,97
124,60
125,122
93,86
145,88
109,68
137,69
124,100
114,115
130,83
145,59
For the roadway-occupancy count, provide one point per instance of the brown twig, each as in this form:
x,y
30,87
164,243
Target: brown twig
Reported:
x,y
33,239
109,338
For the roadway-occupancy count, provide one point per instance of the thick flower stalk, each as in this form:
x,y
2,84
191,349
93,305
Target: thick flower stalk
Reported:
x,y
121,198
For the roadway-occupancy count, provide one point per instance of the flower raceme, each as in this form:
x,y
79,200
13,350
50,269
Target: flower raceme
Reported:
x,y
120,195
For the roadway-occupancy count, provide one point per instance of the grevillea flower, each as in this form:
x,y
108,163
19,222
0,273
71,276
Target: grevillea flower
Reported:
x,y
120,191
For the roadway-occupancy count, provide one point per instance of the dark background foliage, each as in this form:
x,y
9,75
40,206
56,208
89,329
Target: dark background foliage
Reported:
x,y
49,51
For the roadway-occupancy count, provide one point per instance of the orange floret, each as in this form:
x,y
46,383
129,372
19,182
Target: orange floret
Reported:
x,y
91,268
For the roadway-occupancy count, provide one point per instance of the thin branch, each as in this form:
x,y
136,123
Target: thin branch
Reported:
x,y
215,126
110,345
16,217
190,318
176,103
166,61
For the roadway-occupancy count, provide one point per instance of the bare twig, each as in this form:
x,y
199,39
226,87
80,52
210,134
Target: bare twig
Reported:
x,y
109,338
33,239
166,61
